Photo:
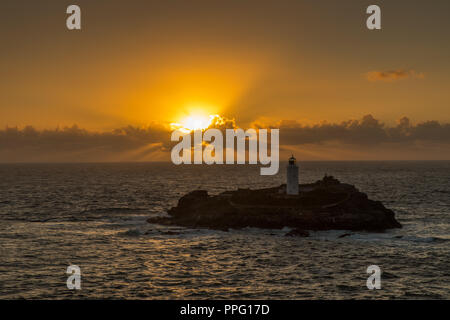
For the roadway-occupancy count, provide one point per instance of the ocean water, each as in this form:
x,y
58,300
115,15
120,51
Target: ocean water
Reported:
x,y
94,216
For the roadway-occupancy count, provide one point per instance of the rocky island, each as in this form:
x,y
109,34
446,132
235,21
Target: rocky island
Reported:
x,y
326,204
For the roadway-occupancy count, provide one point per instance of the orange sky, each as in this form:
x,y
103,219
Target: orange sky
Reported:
x,y
144,62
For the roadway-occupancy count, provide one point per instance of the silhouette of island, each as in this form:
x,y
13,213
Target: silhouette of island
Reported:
x,y
326,204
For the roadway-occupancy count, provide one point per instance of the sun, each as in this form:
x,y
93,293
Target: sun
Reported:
x,y
193,122
196,122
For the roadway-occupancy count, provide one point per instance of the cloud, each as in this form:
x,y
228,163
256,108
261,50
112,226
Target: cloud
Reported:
x,y
366,131
222,123
74,144
393,75
365,138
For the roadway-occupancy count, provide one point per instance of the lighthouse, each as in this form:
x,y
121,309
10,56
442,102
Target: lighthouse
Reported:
x,y
292,177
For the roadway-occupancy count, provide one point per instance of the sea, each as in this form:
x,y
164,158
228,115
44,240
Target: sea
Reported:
x,y
93,215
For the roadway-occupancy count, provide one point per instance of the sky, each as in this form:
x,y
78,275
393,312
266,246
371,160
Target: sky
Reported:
x,y
305,66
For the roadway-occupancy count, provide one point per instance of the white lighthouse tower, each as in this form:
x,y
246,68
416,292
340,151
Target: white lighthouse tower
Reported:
x,y
292,177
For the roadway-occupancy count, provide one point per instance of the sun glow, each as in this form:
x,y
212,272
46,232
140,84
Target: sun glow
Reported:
x,y
194,122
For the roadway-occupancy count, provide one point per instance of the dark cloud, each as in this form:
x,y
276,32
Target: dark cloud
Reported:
x,y
366,131
76,144
130,143
393,75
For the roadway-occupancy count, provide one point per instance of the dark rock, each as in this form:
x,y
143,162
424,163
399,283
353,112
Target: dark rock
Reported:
x,y
324,205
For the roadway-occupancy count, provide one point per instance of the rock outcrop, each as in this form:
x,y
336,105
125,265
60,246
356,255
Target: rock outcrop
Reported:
x,y
324,205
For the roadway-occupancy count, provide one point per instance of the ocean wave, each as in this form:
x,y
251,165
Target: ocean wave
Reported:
x,y
132,233
425,239
119,210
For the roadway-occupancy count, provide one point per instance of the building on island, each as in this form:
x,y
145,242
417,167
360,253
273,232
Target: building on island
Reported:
x,y
292,177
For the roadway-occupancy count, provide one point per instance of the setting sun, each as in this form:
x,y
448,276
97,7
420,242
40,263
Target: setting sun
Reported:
x,y
194,122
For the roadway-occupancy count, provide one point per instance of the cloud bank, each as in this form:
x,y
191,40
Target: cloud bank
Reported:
x,y
366,131
367,135
393,75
